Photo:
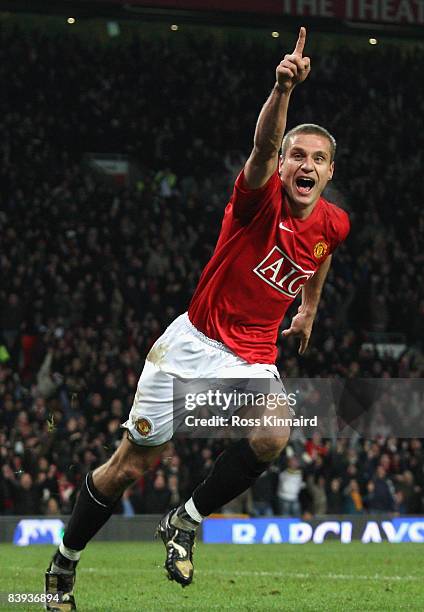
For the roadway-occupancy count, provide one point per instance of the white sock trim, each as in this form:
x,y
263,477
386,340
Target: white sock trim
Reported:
x,y
192,511
69,553
91,495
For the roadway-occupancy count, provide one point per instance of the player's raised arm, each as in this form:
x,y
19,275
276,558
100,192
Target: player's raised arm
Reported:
x,y
262,163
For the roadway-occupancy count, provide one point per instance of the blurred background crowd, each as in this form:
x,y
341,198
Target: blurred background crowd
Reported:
x,y
91,273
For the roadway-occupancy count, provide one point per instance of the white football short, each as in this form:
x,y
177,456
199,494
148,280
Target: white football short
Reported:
x,y
182,352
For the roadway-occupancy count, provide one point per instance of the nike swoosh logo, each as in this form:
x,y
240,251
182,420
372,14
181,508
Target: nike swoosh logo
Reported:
x,y
283,227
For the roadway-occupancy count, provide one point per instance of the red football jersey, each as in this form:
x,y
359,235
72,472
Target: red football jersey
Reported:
x,y
262,259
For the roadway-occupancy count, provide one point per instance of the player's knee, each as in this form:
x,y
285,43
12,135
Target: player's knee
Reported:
x,y
268,449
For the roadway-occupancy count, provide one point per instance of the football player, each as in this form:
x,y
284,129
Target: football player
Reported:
x,y
276,242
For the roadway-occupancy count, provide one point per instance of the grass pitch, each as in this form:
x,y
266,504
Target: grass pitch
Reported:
x,y
308,577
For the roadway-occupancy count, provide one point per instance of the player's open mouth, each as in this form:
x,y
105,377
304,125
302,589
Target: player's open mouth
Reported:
x,y
304,184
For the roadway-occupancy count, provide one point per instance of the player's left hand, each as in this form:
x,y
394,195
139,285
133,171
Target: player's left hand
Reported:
x,y
301,326
294,68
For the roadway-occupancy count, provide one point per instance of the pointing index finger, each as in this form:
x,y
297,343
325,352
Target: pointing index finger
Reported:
x,y
300,45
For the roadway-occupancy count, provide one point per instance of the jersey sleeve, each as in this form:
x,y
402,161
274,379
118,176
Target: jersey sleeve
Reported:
x,y
341,228
246,202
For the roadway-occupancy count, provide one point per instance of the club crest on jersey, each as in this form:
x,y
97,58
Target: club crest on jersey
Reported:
x,y
143,426
320,249
282,273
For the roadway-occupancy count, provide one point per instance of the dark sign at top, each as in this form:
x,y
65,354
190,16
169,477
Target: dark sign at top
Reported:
x,y
378,11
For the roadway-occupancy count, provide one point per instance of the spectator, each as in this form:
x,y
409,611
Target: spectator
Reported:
x,y
128,508
174,489
409,498
11,318
289,486
381,492
52,508
353,503
26,497
263,494
157,496
334,497
315,446
318,494
400,506
66,492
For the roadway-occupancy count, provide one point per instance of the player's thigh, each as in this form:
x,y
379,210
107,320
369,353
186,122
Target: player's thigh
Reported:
x,y
152,417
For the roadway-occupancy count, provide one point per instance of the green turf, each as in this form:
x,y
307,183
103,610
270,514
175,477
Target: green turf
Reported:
x,y
309,577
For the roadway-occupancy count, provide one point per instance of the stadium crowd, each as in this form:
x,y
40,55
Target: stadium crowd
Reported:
x,y
91,273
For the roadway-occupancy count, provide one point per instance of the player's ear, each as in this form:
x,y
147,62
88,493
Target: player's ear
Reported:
x,y
331,171
280,163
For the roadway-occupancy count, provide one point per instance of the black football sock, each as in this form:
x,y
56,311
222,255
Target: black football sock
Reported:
x,y
90,513
61,564
235,470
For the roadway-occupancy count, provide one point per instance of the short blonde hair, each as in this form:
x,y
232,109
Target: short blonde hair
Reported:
x,y
309,128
